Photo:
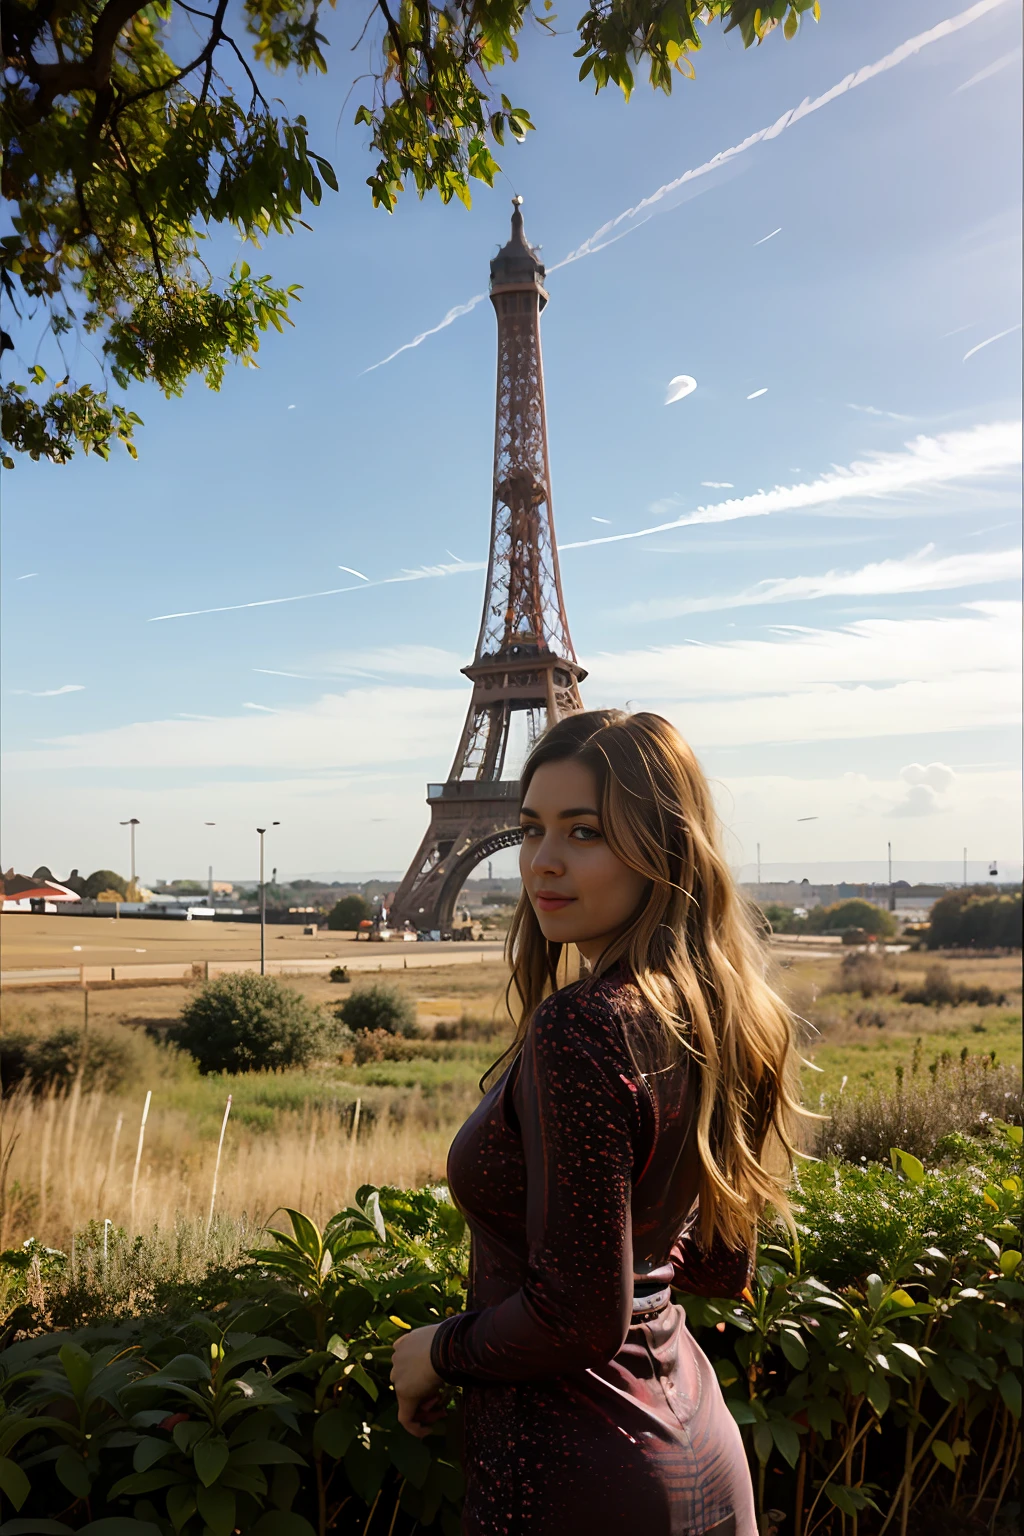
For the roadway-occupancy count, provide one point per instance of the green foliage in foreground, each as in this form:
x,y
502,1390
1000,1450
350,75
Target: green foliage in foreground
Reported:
x,y
872,1369
349,912
242,1022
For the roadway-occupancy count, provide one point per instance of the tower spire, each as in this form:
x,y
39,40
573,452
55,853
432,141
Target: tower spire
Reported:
x,y
524,659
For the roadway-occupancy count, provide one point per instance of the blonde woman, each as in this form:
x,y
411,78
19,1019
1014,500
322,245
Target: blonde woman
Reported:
x,y
629,1146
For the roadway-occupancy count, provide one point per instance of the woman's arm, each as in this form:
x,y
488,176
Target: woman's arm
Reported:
x,y
579,1121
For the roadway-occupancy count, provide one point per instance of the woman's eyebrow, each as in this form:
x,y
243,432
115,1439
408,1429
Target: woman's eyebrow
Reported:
x,y
575,810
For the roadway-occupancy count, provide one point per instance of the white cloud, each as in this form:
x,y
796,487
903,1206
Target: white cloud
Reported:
x,y
396,661
926,786
27,576
758,393
49,693
600,520
765,238
873,678
936,776
352,572
926,462
718,485
678,388
920,572
263,708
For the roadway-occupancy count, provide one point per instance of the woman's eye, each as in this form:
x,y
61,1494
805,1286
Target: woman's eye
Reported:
x,y
585,834
530,831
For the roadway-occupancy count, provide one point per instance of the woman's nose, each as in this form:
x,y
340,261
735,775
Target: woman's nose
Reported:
x,y
544,858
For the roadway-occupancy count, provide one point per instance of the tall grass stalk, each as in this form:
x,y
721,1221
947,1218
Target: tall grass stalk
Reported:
x,y
138,1153
216,1166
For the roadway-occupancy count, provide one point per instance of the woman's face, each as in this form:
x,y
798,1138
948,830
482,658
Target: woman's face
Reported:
x,y
582,894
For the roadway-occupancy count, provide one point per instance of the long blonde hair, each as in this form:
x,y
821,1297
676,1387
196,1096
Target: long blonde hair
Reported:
x,y
693,952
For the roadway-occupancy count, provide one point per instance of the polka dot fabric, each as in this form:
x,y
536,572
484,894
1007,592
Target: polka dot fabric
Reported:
x,y
577,1174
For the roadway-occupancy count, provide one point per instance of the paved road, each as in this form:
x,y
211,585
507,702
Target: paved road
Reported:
x,y
371,957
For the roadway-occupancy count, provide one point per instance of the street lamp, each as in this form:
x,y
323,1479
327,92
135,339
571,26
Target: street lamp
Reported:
x,y
133,822
263,903
209,892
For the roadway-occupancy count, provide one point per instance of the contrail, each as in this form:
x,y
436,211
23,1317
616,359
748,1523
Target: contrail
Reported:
x,y
453,314
926,461
987,343
607,234
769,237
422,574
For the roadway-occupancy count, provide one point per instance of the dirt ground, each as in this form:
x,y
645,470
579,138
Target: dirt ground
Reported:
x,y
28,940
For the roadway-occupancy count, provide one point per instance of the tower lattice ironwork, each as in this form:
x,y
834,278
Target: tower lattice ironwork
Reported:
x,y
524,659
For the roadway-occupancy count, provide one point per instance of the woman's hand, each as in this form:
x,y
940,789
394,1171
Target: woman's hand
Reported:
x,y
417,1385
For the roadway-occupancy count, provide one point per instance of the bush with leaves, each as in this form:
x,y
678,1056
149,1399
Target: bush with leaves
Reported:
x,y
975,918
243,1022
942,990
378,1006
348,913
53,1061
864,973
965,1094
856,913
872,1368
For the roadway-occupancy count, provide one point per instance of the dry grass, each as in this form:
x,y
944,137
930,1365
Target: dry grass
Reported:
x,y
289,1137
73,1157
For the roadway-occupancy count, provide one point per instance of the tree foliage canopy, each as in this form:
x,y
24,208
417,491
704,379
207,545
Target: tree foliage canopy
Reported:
x,y
132,130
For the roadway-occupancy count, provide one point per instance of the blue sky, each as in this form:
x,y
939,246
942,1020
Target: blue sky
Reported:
x,y
842,645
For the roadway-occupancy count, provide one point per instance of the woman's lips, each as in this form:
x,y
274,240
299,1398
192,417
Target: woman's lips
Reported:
x,y
548,902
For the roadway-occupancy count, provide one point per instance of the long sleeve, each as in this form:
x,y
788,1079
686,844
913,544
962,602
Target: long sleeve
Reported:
x,y
716,1271
580,1125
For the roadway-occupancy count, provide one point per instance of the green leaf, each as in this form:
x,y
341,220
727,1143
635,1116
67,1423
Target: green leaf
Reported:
x,y
944,1453
119,1525
1009,1259
72,1472
149,1451
35,1528
763,1441
210,1458
878,1392
77,1367
411,1456
786,1438
217,1507
307,1234
1010,1392
906,1163
145,1482
333,1433
14,1482
181,1505
793,1347
282,1522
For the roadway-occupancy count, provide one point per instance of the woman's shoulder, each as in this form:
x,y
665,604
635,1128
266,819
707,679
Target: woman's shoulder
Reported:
x,y
598,1009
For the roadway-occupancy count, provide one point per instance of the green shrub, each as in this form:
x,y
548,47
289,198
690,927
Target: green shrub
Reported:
x,y
469,1027
56,1059
941,990
348,913
871,1368
381,1045
338,973
243,1022
965,1095
976,919
864,973
379,1006
852,914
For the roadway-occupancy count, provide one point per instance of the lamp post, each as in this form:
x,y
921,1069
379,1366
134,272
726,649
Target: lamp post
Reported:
x,y
209,890
263,903
132,822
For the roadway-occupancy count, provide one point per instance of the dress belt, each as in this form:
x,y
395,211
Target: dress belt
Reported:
x,y
652,1292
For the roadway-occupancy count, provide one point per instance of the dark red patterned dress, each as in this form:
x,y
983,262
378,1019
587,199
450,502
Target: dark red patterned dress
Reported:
x,y
589,1407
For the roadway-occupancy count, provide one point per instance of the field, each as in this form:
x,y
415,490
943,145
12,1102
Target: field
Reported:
x,y
29,941
309,1138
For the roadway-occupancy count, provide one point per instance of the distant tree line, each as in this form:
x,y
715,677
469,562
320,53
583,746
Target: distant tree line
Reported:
x,y
972,918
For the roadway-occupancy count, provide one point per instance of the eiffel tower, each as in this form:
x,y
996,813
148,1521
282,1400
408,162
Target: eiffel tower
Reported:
x,y
524,658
